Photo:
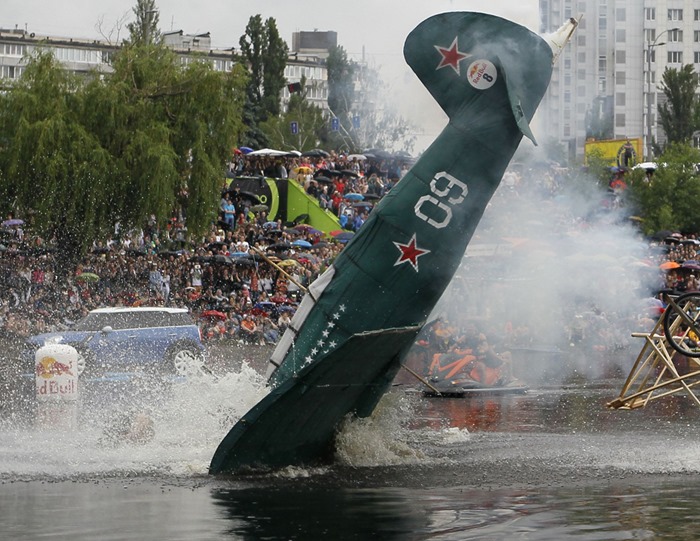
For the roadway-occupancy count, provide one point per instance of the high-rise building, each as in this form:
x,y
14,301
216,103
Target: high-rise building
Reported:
x,y
606,82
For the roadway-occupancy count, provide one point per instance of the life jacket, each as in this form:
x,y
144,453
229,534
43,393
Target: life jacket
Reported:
x,y
447,365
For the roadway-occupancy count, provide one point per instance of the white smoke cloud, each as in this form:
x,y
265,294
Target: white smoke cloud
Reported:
x,y
554,265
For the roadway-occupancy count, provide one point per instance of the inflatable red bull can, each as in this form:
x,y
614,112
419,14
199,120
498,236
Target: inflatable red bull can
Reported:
x,y
56,368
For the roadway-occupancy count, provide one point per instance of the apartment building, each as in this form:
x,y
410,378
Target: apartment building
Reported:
x,y
87,56
606,82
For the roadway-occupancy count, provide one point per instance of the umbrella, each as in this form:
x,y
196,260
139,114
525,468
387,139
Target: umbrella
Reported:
x,y
220,258
372,196
249,196
691,265
350,173
354,196
329,172
268,152
173,253
300,219
303,169
306,258
280,247
245,150
302,243
324,180
270,225
214,314
654,305
359,157
648,166
88,277
316,153
378,153
345,236
667,265
259,208
12,223
403,156
306,228
288,263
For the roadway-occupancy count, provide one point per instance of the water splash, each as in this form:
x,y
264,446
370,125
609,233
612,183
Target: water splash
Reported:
x,y
188,421
379,440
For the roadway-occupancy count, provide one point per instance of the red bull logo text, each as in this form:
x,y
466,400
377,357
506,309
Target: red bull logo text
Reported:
x,y
56,373
55,388
482,74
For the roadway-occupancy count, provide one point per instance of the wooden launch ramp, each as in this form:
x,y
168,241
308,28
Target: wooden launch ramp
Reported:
x,y
660,370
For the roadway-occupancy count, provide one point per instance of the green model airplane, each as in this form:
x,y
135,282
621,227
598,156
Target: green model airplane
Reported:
x,y
358,320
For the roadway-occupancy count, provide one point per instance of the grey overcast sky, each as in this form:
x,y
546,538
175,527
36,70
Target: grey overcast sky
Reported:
x,y
375,28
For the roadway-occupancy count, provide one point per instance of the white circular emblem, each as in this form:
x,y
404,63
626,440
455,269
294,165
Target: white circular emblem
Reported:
x,y
481,74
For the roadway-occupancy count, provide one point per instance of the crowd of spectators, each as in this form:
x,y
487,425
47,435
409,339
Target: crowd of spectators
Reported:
x,y
244,279
346,185
228,281
241,281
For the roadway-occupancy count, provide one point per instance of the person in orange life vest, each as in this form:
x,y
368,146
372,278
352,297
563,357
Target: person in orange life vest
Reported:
x,y
489,367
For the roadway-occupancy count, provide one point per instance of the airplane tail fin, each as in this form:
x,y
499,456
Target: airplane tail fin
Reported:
x,y
470,61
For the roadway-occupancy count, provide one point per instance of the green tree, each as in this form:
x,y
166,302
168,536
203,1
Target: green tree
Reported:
x,y
668,198
276,53
150,137
599,118
51,164
341,86
679,115
309,119
144,30
380,125
265,54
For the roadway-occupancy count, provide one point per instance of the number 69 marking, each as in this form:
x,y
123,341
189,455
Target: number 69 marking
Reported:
x,y
447,191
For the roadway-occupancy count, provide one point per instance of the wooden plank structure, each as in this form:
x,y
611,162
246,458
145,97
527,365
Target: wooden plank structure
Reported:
x,y
660,370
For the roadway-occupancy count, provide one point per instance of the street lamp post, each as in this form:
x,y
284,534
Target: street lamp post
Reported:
x,y
650,48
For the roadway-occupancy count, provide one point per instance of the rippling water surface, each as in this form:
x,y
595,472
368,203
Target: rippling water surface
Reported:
x,y
551,464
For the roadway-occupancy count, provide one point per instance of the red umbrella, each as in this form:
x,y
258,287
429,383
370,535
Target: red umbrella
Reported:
x,y
667,265
214,314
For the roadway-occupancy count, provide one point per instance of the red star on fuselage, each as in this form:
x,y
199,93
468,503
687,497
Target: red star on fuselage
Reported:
x,y
451,57
410,252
